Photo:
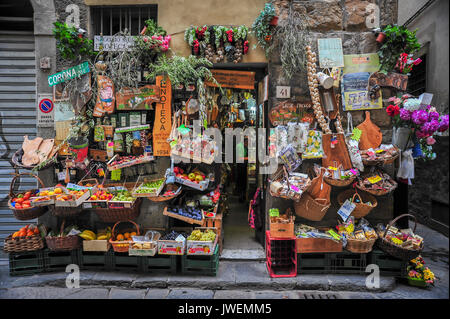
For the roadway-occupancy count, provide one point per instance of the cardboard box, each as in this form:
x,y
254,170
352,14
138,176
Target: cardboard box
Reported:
x,y
171,247
204,248
96,245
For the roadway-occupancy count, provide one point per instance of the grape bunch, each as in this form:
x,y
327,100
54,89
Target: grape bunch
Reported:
x,y
198,235
173,235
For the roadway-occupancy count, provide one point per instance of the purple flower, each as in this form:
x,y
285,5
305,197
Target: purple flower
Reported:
x,y
405,115
419,117
430,127
433,116
444,123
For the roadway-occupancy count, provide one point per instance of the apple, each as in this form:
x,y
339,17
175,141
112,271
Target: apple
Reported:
x,y
191,176
198,178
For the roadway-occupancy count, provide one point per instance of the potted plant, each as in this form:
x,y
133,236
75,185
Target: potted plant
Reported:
x,y
71,43
398,40
262,28
419,275
381,36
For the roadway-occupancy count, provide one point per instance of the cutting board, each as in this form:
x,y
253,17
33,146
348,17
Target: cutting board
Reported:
x,y
371,135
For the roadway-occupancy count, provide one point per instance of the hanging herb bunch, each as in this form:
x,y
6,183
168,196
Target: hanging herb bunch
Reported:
x,y
71,42
292,37
263,28
216,42
152,41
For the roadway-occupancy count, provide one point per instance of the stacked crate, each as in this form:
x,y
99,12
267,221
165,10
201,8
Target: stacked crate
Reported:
x,y
281,256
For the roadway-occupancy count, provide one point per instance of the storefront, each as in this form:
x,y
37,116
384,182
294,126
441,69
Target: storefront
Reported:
x,y
149,143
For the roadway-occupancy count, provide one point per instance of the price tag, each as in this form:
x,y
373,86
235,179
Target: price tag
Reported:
x,y
274,212
356,134
115,174
332,168
353,172
172,144
346,210
87,205
295,188
374,179
379,151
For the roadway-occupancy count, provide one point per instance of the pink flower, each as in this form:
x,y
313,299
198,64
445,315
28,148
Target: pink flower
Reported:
x,y
405,115
444,123
430,140
417,61
397,101
391,99
421,134
433,115
419,117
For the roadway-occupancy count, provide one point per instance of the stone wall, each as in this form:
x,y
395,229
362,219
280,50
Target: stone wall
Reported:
x,y
345,20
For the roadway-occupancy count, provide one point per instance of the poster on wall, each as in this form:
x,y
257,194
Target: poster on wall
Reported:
x,y
330,53
355,81
163,118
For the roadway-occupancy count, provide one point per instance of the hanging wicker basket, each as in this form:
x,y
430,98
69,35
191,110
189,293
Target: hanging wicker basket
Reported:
x,y
122,246
380,190
395,251
339,182
25,213
361,210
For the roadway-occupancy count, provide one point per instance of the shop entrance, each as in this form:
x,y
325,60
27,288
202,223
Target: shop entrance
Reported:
x,y
242,108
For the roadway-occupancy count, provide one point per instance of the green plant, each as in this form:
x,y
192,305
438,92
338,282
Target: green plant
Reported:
x,y
292,38
398,40
262,29
71,43
152,28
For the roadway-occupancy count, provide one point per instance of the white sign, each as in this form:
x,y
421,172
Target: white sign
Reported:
x,y
346,210
73,19
45,110
283,92
119,43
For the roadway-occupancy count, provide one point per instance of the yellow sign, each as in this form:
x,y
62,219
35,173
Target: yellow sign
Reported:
x,y
163,118
374,179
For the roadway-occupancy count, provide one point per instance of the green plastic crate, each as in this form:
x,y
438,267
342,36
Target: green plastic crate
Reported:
x,y
93,260
201,265
26,263
313,263
122,261
389,266
58,260
159,263
347,263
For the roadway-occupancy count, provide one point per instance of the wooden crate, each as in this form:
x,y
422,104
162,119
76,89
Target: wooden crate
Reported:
x,y
281,230
317,245
216,222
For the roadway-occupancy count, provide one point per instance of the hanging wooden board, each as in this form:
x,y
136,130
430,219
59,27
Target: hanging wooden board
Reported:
x,y
163,118
371,135
137,98
233,79
339,154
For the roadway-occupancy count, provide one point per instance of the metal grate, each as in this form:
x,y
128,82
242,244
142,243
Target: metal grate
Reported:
x,y
315,295
109,20
417,82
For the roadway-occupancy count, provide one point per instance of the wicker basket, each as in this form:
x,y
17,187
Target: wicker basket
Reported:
x,y
359,246
361,210
114,215
381,162
279,175
25,213
124,245
310,208
66,211
378,192
339,182
63,243
22,244
395,251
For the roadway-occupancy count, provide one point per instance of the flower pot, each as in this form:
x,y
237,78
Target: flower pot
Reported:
x,y
381,36
401,137
79,146
417,282
274,21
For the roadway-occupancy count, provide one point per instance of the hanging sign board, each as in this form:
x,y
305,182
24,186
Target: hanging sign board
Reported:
x,y
137,98
111,43
46,111
233,79
163,118
68,74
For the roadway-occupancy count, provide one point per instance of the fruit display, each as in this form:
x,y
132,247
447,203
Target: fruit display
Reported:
x,y
123,196
126,236
198,235
173,235
22,201
90,235
148,245
186,211
126,161
101,194
27,231
73,194
195,176
149,188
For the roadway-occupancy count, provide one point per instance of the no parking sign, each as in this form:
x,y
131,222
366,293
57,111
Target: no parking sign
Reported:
x,y
45,111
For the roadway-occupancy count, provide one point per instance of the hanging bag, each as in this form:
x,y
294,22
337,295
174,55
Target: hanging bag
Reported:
x,y
335,150
371,135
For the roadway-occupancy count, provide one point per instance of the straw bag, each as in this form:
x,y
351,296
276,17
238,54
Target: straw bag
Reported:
x,y
337,152
25,213
122,246
395,251
63,243
371,135
361,209
314,204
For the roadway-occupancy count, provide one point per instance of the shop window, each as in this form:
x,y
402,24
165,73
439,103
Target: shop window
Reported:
x,y
109,20
417,82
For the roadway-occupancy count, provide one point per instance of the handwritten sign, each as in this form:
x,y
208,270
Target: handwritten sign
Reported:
x,y
111,43
330,52
68,74
163,118
233,79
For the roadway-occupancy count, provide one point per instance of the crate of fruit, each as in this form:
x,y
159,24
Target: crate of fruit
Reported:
x,y
185,213
146,245
201,241
195,179
122,198
72,196
148,186
99,198
46,196
172,243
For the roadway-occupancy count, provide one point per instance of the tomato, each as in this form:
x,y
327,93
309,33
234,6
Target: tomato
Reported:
x,y
26,202
19,200
26,206
18,206
27,196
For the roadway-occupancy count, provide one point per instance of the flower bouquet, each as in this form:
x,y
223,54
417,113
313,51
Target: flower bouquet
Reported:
x,y
418,274
415,123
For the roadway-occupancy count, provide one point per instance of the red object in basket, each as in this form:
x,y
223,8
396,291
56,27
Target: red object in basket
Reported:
x,y
281,256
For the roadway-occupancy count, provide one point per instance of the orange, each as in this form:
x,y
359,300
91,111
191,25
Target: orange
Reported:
x,y
58,190
22,233
133,233
126,235
120,237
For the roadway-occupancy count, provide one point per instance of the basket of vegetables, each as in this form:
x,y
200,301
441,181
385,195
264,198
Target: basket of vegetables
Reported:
x,y
28,238
121,241
20,203
66,239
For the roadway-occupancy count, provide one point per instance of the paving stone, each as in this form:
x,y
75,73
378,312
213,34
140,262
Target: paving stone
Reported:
x,y
358,283
252,275
283,283
153,293
150,281
272,295
180,293
89,293
233,294
35,293
117,293
122,279
311,282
